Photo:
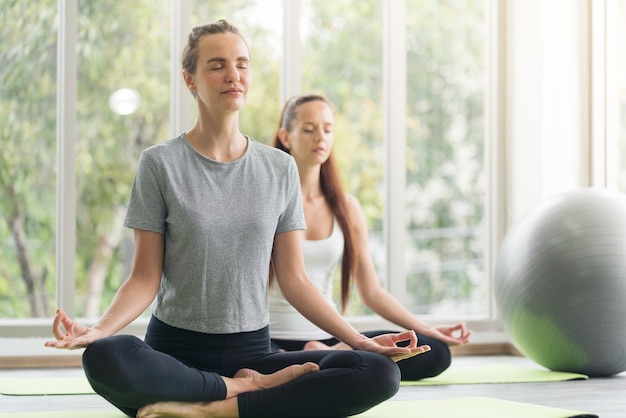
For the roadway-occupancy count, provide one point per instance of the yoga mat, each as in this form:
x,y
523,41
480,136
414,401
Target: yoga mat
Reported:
x,y
495,373
441,408
38,386
470,407
113,413
488,373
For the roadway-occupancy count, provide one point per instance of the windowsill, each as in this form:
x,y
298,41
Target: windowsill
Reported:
x,y
24,339
42,327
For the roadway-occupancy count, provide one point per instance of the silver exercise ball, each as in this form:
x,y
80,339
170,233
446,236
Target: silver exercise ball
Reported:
x,y
560,283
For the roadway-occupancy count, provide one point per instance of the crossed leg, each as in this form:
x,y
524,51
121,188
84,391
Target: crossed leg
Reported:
x,y
245,380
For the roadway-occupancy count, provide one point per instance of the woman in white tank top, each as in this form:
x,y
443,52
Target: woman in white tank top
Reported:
x,y
337,236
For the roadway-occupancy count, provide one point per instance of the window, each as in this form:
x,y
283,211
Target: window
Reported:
x,y
125,86
445,165
445,187
122,107
28,163
342,59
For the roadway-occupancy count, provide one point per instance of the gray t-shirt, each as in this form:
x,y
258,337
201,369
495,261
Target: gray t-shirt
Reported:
x,y
219,221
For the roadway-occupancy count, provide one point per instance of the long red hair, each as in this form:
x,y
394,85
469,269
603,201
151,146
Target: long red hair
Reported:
x,y
331,188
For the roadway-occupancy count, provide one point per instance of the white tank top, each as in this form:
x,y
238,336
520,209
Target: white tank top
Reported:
x,y
321,258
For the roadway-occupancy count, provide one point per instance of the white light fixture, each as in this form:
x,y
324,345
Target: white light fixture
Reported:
x,y
124,101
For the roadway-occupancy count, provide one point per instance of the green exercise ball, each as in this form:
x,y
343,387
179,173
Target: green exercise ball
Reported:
x,y
560,283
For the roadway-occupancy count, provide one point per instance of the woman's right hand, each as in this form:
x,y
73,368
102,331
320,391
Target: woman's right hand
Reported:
x,y
70,334
387,344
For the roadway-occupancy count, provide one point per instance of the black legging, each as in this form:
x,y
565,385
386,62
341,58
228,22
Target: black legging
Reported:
x,y
173,364
425,365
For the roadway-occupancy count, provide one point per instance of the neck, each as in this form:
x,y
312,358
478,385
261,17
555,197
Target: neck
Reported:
x,y
310,184
218,138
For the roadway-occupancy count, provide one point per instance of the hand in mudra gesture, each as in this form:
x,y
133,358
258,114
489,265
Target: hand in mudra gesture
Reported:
x,y
388,344
70,334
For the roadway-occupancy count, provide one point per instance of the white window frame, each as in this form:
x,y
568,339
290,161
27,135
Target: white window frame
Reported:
x,y
604,117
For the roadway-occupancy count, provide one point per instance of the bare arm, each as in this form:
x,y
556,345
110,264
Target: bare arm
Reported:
x,y
306,298
130,300
382,302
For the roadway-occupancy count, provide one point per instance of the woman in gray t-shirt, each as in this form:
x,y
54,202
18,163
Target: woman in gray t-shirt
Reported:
x,y
209,210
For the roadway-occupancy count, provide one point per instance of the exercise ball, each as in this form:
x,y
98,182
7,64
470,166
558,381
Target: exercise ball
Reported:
x,y
560,283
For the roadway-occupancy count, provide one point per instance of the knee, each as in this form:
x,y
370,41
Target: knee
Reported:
x,y
108,351
382,375
429,364
106,360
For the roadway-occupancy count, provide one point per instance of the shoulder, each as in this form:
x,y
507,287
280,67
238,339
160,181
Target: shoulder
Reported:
x,y
166,148
355,212
268,151
352,203
275,158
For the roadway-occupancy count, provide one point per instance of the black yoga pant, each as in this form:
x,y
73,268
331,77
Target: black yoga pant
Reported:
x,y
424,365
179,365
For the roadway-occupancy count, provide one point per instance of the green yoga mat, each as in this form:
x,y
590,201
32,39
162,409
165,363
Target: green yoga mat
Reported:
x,y
473,407
442,408
488,373
495,373
65,414
38,386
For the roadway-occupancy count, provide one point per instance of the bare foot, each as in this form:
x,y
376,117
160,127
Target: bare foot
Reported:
x,y
318,345
218,409
245,380
248,380
315,345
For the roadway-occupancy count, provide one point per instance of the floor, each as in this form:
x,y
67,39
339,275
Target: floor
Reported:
x,y
601,396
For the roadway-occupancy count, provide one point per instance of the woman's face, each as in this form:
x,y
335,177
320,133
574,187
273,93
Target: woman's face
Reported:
x,y
223,76
311,139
